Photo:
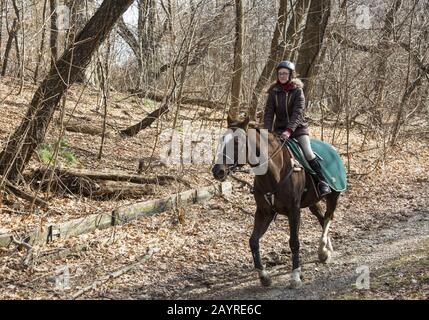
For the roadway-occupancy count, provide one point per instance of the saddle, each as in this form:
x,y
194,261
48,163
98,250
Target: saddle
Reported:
x,y
332,166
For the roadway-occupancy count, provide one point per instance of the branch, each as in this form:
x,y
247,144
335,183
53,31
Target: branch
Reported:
x,y
354,45
128,37
117,273
27,259
374,49
24,195
417,59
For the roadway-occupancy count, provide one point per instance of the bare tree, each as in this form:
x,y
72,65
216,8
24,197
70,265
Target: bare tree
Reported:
x,y
289,45
384,52
314,32
13,32
53,40
275,53
42,43
32,129
1,23
238,61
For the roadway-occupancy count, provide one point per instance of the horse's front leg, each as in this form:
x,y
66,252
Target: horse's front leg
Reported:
x,y
263,219
294,224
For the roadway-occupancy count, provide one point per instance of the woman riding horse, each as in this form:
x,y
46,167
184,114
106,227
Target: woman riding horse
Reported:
x,y
289,191
286,103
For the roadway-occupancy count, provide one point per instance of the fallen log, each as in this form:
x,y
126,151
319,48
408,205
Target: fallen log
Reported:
x,y
120,190
107,175
25,195
119,215
184,100
97,184
86,129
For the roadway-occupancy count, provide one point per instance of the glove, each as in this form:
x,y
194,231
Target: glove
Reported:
x,y
286,134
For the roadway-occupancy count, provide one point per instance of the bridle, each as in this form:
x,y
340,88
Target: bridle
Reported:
x,y
269,196
235,166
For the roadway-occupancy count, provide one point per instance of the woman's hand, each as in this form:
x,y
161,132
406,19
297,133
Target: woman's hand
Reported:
x,y
286,134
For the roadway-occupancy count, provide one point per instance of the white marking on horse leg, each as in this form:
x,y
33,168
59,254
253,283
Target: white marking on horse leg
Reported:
x,y
295,281
324,237
264,277
324,252
262,273
326,230
330,244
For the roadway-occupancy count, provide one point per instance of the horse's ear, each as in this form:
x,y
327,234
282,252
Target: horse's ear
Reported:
x,y
245,122
228,119
231,121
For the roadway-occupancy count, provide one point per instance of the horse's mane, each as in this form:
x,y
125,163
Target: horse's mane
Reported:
x,y
271,135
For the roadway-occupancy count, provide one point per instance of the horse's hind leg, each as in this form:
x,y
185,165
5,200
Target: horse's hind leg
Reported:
x,y
262,221
325,246
316,210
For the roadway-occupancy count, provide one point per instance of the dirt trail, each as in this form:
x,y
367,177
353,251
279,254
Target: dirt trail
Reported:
x,y
195,261
338,278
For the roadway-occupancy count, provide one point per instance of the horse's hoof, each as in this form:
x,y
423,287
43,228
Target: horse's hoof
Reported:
x,y
265,281
325,255
295,283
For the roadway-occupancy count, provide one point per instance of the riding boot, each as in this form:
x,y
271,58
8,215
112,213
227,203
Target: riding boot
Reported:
x,y
322,185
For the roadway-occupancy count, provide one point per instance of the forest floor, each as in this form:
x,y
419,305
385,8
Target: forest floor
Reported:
x,y
201,251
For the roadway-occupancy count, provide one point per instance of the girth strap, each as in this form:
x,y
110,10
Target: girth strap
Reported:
x,y
269,196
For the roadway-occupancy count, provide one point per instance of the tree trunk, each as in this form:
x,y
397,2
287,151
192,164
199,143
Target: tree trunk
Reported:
x,y
384,53
294,30
77,22
21,60
146,122
1,24
105,89
129,38
238,61
404,103
42,44
272,58
32,129
53,41
314,32
12,36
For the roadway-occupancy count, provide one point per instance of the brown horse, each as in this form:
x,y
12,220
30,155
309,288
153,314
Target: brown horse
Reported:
x,y
283,189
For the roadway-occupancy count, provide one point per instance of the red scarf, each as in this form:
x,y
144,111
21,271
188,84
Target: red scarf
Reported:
x,y
287,86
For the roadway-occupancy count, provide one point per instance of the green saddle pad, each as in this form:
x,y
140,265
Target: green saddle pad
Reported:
x,y
332,166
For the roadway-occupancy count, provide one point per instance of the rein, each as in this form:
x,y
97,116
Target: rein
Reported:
x,y
269,196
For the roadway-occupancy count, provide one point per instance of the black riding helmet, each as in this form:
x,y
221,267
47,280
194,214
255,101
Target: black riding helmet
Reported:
x,y
286,64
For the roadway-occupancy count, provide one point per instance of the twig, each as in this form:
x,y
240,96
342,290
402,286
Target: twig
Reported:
x,y
28,258
26,196
242,181
246,211
61,253
117,273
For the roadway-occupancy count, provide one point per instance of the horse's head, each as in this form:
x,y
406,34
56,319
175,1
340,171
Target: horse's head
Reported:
x,y
232,151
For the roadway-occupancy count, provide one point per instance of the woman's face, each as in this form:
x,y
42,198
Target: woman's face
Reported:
x,y
283,75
